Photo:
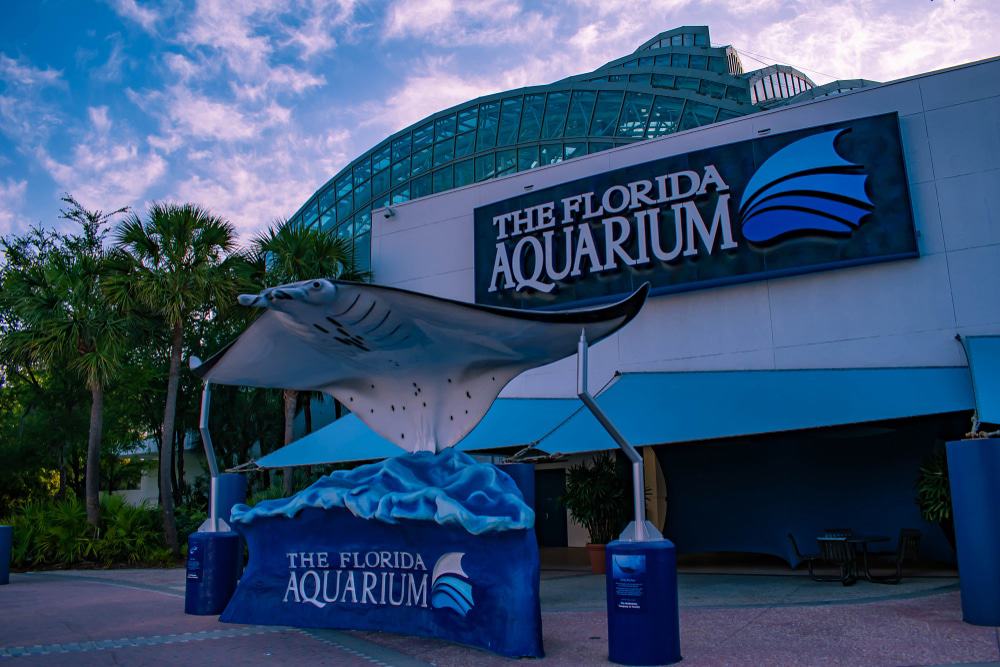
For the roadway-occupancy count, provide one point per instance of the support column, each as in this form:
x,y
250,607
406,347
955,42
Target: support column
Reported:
x,y
656,482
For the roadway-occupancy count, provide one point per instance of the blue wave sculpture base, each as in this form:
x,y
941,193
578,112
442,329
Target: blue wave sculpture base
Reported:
x,y
324,567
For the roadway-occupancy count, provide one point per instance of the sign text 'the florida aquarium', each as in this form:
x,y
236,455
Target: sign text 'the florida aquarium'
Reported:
x,y
808,200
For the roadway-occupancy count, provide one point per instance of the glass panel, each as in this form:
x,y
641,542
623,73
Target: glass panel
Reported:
x,y
362,193
631,64
609,103
489,118
443,179
641,79
420,187
696,114
663,80
346,229
510,118
463,173
712,89
363,252
400,148
555,115
701,39
362,172
345,207
527,158
645,62
423,135
382,202
399,195
675,40
581,108
663,61
467,119
327,221
484,167
310,214
401,171
736,94
718,65
444,128
380,182
726,115
327,198
687,83
421,161
506,162
617,78
598,146
688,39
634,115
664,117
363,221
381,158
444,152
550,153
699,62
531,118
575,149
679,60
465,144
343,185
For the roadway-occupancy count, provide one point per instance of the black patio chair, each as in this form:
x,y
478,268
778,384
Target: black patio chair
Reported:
x,y
838,532
809,559
907,550
839,552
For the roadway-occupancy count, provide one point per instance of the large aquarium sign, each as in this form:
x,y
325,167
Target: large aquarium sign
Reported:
x,y
827,197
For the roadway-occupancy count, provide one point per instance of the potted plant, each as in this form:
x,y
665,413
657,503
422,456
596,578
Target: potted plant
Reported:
x,y
596,498
934,494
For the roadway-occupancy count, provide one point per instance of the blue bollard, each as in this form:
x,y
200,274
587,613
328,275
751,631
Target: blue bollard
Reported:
x,y
643,618
6,537
231,489
974,473
523,475
212,572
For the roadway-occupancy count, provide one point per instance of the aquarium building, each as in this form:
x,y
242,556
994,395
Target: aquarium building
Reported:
x,y
824,264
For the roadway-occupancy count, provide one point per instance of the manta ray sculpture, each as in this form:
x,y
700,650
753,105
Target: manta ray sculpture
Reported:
x,y
420,370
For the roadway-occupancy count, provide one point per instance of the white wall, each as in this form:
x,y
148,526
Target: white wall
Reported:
x,y
903,313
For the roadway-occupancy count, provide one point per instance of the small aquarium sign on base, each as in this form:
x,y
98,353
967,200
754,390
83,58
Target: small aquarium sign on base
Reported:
x,y
326,567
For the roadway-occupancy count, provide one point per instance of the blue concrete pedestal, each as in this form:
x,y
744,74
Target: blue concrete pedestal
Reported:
x,y
231,489
6,539
643,618
974,471
213,568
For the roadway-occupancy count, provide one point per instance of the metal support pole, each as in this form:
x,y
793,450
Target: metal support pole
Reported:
x,y
213,466
638,483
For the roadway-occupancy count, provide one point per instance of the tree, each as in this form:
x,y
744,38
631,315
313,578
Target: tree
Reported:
x,y
178,264
289,253
63,318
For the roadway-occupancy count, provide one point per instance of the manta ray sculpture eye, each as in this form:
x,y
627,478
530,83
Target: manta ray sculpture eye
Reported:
x,y
317,284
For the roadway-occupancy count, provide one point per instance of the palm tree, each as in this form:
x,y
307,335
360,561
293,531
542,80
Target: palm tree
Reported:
x,y
64,319
289,253
178,264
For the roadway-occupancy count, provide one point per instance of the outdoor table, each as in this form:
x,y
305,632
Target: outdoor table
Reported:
x,y
860,544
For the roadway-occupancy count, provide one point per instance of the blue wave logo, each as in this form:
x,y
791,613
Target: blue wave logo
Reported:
x,y
450,585
805,187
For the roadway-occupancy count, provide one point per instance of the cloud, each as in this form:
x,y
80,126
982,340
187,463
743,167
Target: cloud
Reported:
x,y
22,73
485,23
130,9
11,201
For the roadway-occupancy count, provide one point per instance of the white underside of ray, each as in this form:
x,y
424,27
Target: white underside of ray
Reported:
x,y
419,370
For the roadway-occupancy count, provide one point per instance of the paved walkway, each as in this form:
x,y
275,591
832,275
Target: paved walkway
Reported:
x,y
135,617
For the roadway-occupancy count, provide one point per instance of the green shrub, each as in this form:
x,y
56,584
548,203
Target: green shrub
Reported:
x,y
271,493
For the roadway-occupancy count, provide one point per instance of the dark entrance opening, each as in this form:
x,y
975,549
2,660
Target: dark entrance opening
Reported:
x,y
550,515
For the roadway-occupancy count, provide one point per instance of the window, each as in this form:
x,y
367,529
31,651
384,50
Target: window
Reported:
x,y
664,117
362,171
712,89
485,167
575,149
423,135
726,115
640,79
718,65
444,152
550,153
362,252
699,62
687,83
489,119
400,148
609,103
467,119
444,128
327,221
598,146
380,182
696,114
345,207
688,39
581,108
421,161
675,40
420,187
343,185
399,195
443,179
363,222
663,81
401,171
531,117
634,115
506,162
310,214
463,173
679,60
736,94
362,193
555,115
326,199
465,144
646,62
510,118
346,229
701,39
527,158
380,160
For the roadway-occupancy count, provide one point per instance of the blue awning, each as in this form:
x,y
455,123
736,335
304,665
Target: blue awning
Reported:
x,y
658,408
510,422
984,364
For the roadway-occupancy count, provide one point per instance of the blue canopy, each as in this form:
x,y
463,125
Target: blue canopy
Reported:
x,y
510,422
658,408
984,364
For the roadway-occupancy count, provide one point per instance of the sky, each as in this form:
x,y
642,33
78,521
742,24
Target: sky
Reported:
x,y
247,108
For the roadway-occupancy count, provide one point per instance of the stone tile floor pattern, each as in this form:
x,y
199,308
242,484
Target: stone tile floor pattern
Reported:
x,y
135,617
